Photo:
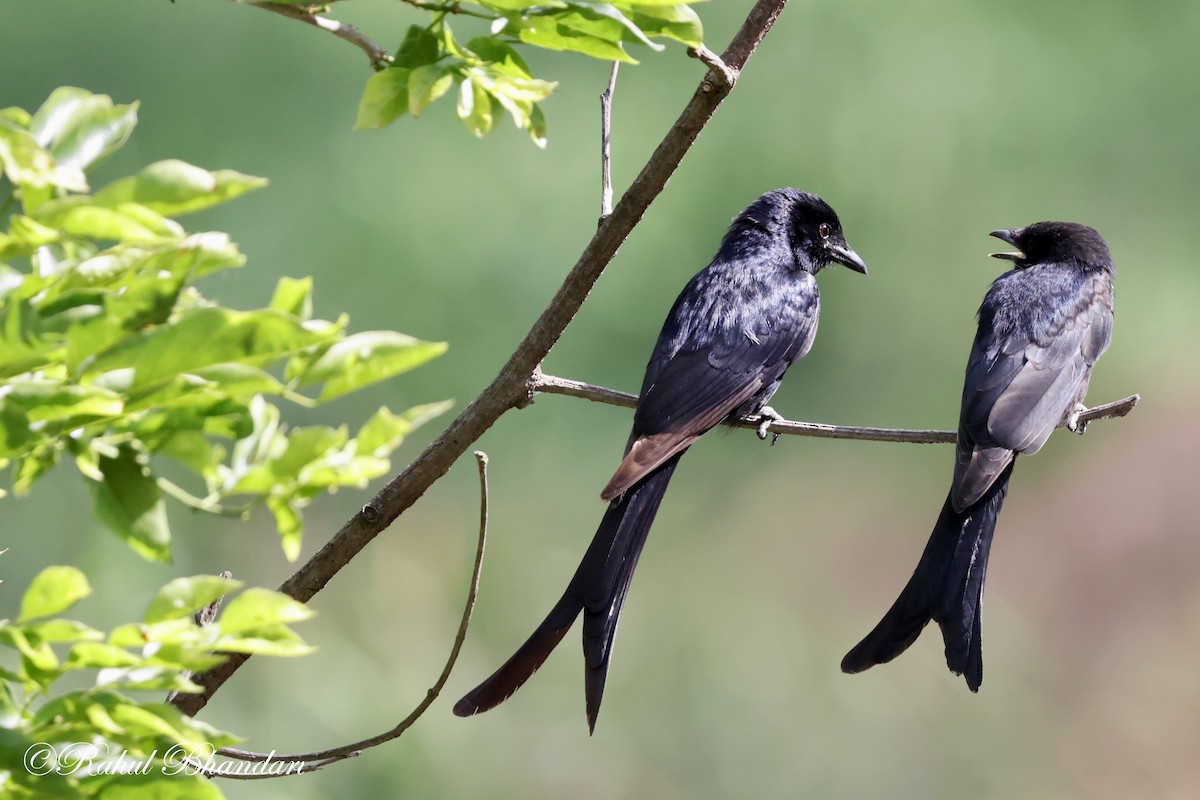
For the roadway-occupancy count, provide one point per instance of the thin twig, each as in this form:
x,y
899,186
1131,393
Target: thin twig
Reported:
x,y
508,390
380,58
550,384
606,192
314,761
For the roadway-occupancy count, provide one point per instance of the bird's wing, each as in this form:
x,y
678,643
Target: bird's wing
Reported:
x,y
1020,389
697,388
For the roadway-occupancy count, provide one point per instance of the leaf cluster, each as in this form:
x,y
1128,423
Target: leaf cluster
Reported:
x,y
71,742
492,78
111,356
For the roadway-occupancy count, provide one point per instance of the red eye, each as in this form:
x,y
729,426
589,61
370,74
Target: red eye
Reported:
x,y
823,229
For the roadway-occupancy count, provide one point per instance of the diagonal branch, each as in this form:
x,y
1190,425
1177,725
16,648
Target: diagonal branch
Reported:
x,y
314,761
509,389
550,384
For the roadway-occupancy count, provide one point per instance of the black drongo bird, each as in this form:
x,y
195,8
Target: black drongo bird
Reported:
x,y
732,333
1042,326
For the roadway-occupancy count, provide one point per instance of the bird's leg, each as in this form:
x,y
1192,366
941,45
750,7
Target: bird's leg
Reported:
x,y
766,416
1073,423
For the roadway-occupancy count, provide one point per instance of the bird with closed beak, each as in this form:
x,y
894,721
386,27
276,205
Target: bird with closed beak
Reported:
x,y
733,332
1042,327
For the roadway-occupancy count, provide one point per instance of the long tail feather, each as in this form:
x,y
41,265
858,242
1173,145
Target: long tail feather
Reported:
x,y
946,587
598,589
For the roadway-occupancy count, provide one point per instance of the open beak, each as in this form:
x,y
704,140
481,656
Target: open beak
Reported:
x,y
844,254
1008,236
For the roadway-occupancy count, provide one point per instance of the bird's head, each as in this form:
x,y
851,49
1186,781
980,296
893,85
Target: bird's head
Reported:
x,y
1055,243
797,227
816,235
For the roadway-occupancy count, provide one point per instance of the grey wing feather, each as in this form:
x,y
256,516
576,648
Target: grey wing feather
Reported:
x,y
1019,390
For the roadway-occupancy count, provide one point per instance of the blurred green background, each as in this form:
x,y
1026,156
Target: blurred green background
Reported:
x,y
926,125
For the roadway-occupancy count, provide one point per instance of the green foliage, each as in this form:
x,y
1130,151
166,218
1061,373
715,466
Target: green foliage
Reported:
x,y
492,76
110,355
69,742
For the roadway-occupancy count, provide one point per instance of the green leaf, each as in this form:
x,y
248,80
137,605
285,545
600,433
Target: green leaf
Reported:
x,y
145,678
64,631
129,503
91,133
17,116
500,56
365,358
183,597
255,610
240,380
180,631
426,84
303,446
63,110
517,95
276,642
537,126
38,661
203,337
384,99
384,431
190,448
591,35
37,657
607,11
475,108
175,187
79,216
100,655
289,522
33,464
31,410
26,163
54,590
31,233
420,47
678,22
294,296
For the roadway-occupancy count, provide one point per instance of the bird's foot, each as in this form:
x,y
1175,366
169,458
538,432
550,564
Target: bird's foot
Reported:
x,y
1073,423
766,416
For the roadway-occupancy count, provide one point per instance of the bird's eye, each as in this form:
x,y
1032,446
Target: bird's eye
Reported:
x,y
823,229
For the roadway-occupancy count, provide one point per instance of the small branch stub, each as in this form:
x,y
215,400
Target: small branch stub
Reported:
x,y
723,75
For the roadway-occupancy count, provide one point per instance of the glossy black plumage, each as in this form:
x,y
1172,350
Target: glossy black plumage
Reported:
x,y
1042,327
723,350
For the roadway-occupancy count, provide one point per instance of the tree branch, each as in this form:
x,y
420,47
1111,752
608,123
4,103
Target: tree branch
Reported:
x,y
509,389
380,58
550,384
322,758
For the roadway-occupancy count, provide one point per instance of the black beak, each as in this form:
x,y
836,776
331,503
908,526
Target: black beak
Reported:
x,y
845,255
1009,237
